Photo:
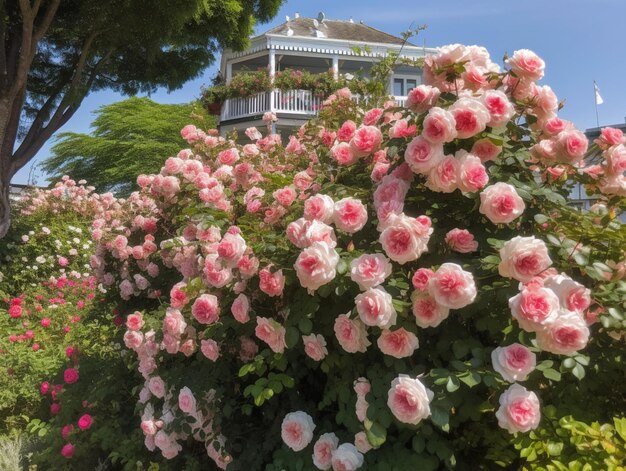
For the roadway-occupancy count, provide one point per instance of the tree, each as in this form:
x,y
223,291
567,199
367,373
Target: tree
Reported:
x,y
129,137
54,53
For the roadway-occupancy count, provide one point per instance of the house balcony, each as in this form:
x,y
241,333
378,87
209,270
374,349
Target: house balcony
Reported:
x,y
301,104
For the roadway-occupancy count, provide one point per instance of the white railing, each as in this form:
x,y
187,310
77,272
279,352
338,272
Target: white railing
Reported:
x,y
296,102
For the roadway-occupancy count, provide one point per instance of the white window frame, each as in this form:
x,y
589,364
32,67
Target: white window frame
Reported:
x,y
404,78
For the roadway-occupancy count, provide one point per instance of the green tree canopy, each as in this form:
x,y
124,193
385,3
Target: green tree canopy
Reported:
x,y
53,53
129,137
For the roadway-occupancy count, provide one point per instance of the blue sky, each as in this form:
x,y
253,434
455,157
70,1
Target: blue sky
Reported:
x,y
580,40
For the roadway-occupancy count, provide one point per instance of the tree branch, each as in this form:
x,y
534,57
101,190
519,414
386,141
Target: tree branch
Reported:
x,y
39,134
46,21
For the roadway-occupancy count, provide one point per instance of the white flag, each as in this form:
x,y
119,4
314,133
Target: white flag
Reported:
x,y
599,99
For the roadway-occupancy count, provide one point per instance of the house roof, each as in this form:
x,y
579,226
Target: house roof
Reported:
x,y
335,29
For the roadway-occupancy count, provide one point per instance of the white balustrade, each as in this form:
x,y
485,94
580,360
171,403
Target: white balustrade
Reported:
x,y
293,102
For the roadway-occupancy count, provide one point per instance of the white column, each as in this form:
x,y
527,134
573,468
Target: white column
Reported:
x,y
229,71
272,64
335,66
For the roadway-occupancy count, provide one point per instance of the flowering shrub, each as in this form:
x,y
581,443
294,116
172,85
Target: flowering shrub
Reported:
x,y
39,328
50,235
371,294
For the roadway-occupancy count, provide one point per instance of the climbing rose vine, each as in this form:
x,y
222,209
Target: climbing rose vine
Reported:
x,y
371,294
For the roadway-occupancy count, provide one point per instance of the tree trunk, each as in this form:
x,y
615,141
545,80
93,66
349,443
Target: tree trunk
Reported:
x,y
5,208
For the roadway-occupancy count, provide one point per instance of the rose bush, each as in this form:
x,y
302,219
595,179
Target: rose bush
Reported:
x,y
363,296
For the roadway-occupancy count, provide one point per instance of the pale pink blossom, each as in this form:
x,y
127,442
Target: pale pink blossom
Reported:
x,y
315,346
351,334
398,343
461,240
522,258
316,265
500,203
452,287
519,410
514,362
323,450
427,311
370,270
375,308
350,215
240,308
272,333
297,430
409,400
346,458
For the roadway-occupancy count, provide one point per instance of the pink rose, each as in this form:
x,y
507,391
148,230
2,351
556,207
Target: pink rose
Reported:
x,y
206,309
297,430
472,174
461,240
522,258
133,339
514,362
409,400
134,321
320,207
398,343
404,239
362,443
210,349
85,421
157,387
571,146
285,196
270,283
519,410
402,129
616,159
375,308
323,450
361,387
422,156
315,346
271,332
370,270
350,215
422,98
178,298
470,115
366,140
486,150
372,116
420,278
525,64
186,401
500,109
316,265
231,248
452,287
612,136
346,131
70,375
500,203
427,311
67,451
343,154
351,334
534,307
572,295
565,335
240,308
445,176
346,458
439,126
174,322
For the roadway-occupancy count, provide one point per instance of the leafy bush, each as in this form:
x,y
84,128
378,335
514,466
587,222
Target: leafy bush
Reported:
x,y
254,289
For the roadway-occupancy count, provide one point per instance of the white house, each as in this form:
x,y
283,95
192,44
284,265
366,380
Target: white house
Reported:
x,y
316,45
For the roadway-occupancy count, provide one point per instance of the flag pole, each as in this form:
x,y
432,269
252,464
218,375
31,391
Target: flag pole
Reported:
x,y
595,99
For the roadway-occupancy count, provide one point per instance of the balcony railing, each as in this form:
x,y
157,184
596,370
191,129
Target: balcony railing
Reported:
x,y
293,102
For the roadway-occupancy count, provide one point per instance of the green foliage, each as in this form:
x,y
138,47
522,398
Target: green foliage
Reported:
x,y
129,137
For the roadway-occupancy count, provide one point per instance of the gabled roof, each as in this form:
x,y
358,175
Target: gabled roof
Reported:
x,y
334,29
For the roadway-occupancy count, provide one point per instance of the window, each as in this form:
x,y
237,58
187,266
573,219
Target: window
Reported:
x,y
403,84
398,87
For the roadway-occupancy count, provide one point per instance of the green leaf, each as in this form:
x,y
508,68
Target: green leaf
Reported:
x,y
305,325
376,433
552,374
292,336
